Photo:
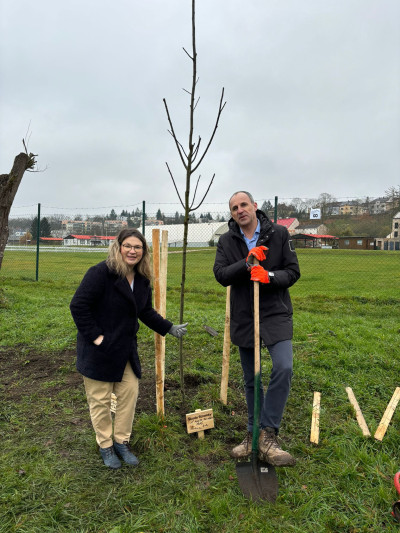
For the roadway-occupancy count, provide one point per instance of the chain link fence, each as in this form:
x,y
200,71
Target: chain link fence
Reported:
x,y
71,242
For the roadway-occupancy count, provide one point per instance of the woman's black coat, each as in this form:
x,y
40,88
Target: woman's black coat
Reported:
x,y
275,305
104,304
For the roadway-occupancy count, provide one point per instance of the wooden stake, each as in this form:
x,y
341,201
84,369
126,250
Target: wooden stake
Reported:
x,y
387,416
226,349
163,290
314,438
359,415
160,291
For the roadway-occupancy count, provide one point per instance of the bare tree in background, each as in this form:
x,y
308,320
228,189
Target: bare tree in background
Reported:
x,y
191,160
393,194
9,184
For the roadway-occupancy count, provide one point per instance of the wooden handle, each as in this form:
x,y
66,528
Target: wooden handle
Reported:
x,y
256,325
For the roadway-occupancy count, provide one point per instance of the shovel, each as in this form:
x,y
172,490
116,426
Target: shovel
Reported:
x,y
257,479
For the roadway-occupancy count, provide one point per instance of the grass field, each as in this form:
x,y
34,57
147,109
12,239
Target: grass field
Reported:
x,y
346,334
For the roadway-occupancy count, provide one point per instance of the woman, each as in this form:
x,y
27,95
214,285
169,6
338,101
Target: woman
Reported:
x,y
106,307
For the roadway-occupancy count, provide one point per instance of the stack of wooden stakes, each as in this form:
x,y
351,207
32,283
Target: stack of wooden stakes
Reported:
x,y
382,427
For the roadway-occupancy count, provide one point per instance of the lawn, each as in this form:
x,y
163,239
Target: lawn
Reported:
x,y
346,334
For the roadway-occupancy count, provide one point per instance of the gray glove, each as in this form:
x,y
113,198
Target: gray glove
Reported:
x,y
179,330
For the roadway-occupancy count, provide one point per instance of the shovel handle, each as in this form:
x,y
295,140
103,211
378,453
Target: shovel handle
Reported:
x,y
257,367
256,325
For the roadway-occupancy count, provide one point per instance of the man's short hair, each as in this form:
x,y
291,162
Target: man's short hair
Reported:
x,y
244,192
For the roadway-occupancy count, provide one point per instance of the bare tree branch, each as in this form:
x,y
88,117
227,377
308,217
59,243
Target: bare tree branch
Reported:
x,y
186,52
173,134
173,181
220,109
196,150
195,105
194,194
205,194
37,170
180,144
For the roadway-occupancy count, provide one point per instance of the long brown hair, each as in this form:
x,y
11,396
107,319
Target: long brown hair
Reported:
x,y
117,264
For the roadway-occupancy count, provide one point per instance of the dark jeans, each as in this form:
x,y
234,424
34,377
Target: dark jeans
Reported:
x,y
273,403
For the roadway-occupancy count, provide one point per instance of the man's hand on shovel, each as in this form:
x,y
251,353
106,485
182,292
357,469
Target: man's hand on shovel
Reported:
x,y
258,273
257,252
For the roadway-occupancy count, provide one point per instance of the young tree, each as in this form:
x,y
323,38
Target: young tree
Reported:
x,y
191,160
9,184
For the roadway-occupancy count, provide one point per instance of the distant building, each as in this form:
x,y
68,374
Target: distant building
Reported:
x,y
357,243
314,240
87,240
92,227
392,241
352,208
314,228
153,222
395,227
378,206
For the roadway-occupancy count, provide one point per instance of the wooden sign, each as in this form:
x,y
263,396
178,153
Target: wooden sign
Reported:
x,y
200,421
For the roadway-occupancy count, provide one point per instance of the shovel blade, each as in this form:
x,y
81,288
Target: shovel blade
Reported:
x,y
257,480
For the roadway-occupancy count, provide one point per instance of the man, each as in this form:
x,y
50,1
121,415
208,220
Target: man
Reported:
x,y
252,235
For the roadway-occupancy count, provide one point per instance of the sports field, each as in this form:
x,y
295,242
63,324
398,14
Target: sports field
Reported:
x,y
346,335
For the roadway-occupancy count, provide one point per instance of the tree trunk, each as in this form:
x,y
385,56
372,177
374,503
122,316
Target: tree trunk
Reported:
x,y
9,184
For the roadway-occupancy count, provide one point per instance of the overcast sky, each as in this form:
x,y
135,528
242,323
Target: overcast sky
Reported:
x,y
312,92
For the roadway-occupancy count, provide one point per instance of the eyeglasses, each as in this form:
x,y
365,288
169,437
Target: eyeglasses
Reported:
x,y
136,248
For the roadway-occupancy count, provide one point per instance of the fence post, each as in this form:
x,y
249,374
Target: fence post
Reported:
x,y
37,243
143,216
276,210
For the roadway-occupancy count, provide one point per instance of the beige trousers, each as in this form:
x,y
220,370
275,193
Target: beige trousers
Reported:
x,y
98,395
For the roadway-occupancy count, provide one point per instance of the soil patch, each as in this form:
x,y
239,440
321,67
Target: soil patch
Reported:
x,y
24,372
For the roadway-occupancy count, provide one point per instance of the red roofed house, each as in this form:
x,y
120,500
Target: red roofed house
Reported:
x,y
289,223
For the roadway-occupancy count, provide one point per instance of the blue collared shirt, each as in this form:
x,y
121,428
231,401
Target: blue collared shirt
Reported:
x,y
251,243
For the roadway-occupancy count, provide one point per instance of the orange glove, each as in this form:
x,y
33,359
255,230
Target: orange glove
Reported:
x,y
258,273
258,253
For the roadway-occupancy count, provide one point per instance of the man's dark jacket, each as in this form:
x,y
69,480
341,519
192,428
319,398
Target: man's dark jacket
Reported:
x,y
275,305
104,304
